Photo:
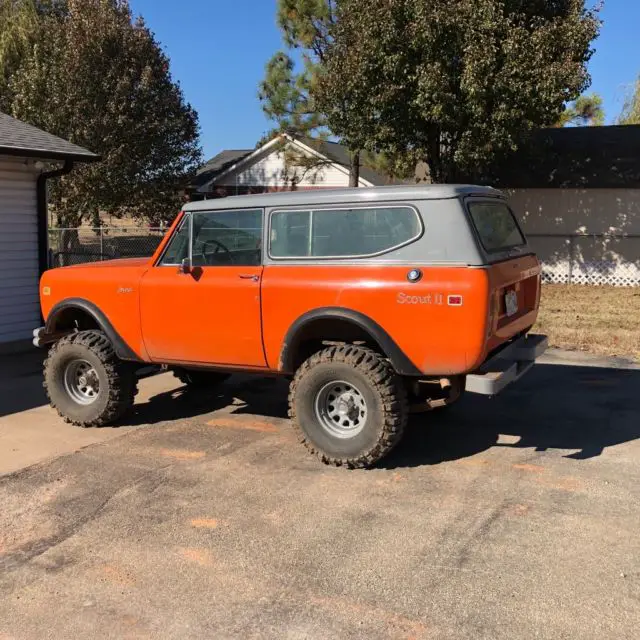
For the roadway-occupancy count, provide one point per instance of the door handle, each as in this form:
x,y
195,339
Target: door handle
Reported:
x,y
246,276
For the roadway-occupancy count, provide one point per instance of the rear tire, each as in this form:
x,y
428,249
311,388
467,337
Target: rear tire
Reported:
x,y
348,406
200,380
86,382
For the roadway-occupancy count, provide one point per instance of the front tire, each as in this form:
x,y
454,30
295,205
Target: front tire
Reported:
x,y
348,405
86,382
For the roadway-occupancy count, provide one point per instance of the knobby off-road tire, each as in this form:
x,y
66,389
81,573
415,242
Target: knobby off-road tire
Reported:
x,y
92,352
200,380
369,382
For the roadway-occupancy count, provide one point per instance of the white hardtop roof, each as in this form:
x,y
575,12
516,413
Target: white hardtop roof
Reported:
x,y
319,197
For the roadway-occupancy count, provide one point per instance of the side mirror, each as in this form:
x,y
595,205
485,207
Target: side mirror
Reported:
x,y
185,266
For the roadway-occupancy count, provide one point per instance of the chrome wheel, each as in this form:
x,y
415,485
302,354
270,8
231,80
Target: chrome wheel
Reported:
x,y
341,409
81,382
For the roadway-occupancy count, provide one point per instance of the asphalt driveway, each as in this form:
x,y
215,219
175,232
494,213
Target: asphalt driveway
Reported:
x,y
516,517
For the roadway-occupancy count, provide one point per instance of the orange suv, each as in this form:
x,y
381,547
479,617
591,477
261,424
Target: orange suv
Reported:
x,y
370,300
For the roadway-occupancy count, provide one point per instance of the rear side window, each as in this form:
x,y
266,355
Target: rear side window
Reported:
x,y
340,233
496,225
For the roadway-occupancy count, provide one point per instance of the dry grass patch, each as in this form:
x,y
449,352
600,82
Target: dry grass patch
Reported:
x,y
601,320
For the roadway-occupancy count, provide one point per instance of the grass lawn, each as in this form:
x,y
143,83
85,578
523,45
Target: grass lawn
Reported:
x,y
601,320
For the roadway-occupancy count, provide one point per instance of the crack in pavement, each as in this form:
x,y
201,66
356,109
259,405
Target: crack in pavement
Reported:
x,y
14,560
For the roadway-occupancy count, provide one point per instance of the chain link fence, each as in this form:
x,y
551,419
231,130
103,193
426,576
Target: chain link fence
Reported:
x,y
76,246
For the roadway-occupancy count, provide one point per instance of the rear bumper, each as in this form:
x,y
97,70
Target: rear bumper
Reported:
x,y
507,366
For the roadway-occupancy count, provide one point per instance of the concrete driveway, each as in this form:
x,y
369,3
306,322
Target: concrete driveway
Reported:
x,y
515,517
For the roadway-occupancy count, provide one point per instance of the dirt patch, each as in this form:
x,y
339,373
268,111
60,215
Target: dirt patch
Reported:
x,y
531,468
182,454
600,320
116,575
208,523
244,423
22,520
202,557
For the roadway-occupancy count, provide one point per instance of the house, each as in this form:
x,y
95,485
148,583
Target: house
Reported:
x,y
25,152
281,164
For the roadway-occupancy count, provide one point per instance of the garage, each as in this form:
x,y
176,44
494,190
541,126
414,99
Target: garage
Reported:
x,y
29,157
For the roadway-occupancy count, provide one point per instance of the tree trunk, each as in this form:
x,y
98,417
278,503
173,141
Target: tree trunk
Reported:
x,y
434,156
354,170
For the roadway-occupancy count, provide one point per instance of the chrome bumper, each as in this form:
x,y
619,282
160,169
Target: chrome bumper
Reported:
x,y
507,366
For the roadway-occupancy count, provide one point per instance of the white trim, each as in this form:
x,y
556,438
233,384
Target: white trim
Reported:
x,y
272,143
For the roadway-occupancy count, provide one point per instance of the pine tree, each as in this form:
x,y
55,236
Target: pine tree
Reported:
x,y
287,92
586,110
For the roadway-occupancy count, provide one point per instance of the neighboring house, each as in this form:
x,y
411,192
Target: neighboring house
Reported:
x,y
276,166
24,150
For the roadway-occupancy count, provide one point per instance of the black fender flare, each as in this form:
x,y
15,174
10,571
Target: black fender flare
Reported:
x,y
122,349
391,350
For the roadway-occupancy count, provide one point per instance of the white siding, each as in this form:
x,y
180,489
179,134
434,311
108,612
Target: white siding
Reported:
x,y
270,170
586,236
19,306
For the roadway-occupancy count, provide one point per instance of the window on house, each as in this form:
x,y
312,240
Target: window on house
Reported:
x,y
339,233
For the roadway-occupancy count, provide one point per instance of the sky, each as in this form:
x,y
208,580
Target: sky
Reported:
x,y
218,50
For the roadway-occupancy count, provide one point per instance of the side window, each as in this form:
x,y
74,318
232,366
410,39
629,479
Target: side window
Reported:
x,y
336,233
227,238
219,238
178,248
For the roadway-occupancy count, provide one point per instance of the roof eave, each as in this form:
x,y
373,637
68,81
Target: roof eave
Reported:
x,y
49,155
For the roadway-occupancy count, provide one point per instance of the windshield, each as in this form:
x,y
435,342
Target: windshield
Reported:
x,y
496,225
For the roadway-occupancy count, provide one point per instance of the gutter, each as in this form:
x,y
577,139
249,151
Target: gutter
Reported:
x,y
43,226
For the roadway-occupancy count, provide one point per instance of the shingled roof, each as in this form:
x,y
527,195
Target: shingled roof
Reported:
x,y
340,155
332,151
218,164
20,139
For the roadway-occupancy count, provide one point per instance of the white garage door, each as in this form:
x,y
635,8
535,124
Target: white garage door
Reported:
x,y
19,309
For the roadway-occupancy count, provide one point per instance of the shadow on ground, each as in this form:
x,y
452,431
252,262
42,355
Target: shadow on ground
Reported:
x,y
21,382
254,395
578,409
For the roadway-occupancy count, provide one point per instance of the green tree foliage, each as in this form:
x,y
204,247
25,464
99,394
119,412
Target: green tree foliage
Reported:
x,y
394,167
287,92
631,110
587,110
455,81
99,79
18,23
